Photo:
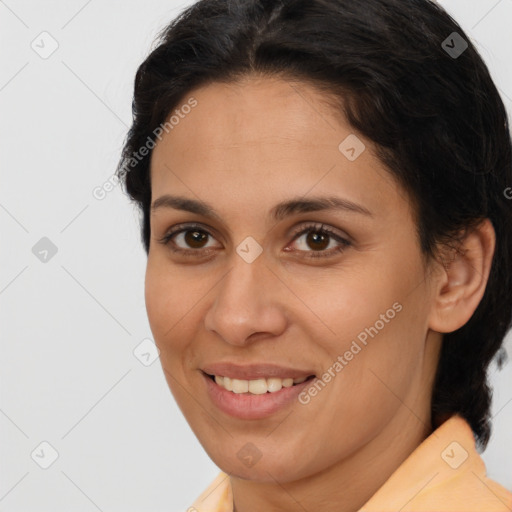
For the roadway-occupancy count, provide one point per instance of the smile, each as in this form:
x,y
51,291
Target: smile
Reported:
x,y
257,386
253,399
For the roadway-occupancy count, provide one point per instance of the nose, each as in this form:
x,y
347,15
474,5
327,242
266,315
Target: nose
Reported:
x,y
249,303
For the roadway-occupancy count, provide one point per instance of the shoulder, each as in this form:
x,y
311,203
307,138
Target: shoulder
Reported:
x,y
444,473
217,497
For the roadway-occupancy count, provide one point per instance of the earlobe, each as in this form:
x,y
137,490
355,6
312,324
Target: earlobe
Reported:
x,y
460,286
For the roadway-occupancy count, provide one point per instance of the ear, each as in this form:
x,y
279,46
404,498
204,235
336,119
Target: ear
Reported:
x,y
460,283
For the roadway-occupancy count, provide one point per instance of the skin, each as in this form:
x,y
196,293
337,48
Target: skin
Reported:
x,y
245,147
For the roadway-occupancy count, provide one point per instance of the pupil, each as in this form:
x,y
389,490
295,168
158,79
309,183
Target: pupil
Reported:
x,y
315,237
194,237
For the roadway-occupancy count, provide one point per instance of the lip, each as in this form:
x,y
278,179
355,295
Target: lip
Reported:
x,y
246,406
255,371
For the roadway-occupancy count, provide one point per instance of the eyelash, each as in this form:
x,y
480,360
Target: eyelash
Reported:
x,y
314,228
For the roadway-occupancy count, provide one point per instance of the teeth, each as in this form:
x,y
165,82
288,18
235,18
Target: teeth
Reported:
x,y
287,383
258,386
228,383
274,385
240,386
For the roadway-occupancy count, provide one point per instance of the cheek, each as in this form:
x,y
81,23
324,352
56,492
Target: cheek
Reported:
x,y
166,305
382,349
159,301
337,308
174,304
376,321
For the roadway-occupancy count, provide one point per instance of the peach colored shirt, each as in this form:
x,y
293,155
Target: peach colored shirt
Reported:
x,y
444,473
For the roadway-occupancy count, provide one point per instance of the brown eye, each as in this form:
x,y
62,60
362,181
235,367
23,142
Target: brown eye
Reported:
x,y
318,238
195,238
317,241
192,240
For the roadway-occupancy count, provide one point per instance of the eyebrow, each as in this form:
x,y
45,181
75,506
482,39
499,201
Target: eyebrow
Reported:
x,y
279,212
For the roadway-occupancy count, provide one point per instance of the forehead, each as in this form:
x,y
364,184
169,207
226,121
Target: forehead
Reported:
x,y
255,110
270,137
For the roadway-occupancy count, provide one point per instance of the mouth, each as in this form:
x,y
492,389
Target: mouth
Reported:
x,y
255,399
258,386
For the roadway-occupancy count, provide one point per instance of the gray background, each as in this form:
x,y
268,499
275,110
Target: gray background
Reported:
x,y
70,324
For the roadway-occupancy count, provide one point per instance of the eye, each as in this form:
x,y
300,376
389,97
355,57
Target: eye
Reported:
x,y
188,240
319,238
192,240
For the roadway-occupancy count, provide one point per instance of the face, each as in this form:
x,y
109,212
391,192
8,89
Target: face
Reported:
x,y
336,292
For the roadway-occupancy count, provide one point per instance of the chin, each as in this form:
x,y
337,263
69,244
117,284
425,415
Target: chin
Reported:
x,y
274,468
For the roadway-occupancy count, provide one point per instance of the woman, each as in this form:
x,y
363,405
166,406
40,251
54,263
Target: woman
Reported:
x,y
322,193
